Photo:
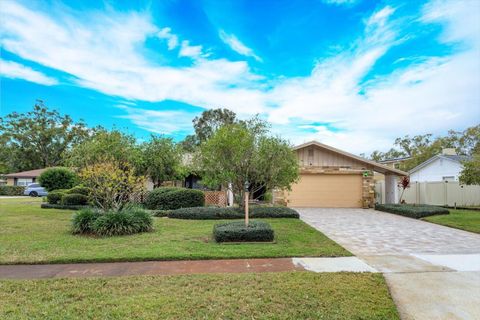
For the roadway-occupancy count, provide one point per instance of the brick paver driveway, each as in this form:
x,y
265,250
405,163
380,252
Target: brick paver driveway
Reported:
x,y
433,271
370,232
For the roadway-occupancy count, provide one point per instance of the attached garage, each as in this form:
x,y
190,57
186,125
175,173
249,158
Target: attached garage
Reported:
x,y
327,190
333,178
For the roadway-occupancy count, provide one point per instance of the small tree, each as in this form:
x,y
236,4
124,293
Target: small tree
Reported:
x,y
113,184
114,145
404,184
160,160
243,153
471,171
57,178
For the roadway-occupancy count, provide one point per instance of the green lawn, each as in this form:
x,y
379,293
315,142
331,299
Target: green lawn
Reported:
x,y
461,219
291,295
30,234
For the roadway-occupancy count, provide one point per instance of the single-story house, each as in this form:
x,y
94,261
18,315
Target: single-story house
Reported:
x,y
23,178
330,177
445,166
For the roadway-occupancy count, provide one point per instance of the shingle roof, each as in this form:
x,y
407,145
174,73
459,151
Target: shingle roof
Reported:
x,y
26,174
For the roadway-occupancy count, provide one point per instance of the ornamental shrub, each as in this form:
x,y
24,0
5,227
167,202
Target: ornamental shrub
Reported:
x,y
55,196
125,222
57,178
174,198
74,199
82,222
412,211
79,190
130,220
215,213
256,231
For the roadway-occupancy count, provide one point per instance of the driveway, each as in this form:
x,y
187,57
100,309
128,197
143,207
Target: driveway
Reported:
x,y
433,271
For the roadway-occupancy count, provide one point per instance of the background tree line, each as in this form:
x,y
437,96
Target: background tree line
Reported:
x,y
420,148
223,149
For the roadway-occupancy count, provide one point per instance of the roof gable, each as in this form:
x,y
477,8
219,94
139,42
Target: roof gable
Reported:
x,y
456,159
376,166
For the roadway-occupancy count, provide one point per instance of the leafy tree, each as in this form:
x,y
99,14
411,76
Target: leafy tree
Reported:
x,y
210,121
37,139
243,152
471,171
189,143
161,159
113,184
206,125
112,145
57,178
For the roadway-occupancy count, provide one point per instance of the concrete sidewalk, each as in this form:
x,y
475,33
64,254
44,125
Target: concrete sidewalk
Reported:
x,y
83,270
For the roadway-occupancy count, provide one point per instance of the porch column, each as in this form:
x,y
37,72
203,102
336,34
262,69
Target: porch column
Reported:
x,y
391,190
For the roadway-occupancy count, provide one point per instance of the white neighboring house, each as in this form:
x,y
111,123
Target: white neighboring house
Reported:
x,y
442,167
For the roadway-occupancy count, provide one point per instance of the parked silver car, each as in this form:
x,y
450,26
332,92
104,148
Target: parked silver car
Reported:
x,y
35,190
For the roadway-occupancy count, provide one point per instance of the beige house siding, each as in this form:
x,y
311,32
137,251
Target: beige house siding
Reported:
x,y
313,156
329,179
10,181
327,190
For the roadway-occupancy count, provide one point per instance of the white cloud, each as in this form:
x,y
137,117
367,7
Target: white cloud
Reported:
x,y
187,50
172,40
161,122
15,70
237,46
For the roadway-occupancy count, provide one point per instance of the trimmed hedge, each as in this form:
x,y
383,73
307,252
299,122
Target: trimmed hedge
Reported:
x,y
412,211
11,190
130,220
174,198
61,206
215,213
160,213
74,199
257,231
55,196
79,190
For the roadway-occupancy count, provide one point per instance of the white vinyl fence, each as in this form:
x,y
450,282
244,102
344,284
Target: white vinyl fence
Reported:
x,y
443,193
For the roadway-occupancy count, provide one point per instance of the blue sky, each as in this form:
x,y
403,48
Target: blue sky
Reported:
x,y
354,74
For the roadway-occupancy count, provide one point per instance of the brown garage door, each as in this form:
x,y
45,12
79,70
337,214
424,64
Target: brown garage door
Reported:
x,y
327,190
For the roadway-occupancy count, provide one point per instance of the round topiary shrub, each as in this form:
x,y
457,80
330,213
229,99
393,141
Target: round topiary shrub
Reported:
x,y
82,222
174,198
74,199
57,178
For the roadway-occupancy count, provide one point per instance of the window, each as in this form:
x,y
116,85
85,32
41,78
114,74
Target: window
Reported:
x,y
448,178
23,181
